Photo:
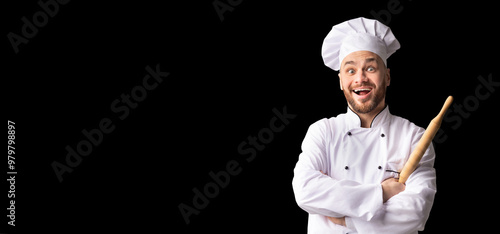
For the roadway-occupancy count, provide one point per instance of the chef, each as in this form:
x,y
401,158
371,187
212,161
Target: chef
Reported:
x,y
346,175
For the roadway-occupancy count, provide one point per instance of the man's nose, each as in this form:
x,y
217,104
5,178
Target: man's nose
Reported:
x,y
360,77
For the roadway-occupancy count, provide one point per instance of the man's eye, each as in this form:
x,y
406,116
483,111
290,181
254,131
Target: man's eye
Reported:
x,y
370,69
350,71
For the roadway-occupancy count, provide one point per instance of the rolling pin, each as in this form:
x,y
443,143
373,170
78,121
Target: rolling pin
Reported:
x,y
424,143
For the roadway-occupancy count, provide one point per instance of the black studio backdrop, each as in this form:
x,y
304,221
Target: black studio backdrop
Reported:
x,y
138,117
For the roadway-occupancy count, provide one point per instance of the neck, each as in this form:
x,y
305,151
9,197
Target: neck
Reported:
x,y
367,118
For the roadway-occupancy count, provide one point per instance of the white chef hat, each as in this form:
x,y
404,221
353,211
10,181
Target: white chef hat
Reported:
x,y
356,35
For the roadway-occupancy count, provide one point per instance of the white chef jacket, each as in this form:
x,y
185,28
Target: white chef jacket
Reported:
x,y
356,161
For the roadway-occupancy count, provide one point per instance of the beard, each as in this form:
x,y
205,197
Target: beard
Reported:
x,y
369,104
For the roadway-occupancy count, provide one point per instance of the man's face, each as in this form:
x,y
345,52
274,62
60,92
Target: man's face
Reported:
x,y
364,79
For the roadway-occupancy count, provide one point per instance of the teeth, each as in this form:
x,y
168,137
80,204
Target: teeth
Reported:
x,y
359,90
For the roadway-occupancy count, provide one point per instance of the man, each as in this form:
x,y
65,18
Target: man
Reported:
x,y
346,175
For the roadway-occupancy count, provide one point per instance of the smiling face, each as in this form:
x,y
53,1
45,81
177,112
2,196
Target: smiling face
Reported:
x,y
364,79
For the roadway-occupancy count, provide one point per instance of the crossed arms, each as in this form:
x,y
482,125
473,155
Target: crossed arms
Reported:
x,y
390,187
368,208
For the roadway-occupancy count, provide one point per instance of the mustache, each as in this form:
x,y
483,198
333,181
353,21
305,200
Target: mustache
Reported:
x,y
366,84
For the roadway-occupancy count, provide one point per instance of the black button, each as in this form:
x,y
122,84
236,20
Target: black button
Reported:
x,y
349,133
379,167
346,167
382,135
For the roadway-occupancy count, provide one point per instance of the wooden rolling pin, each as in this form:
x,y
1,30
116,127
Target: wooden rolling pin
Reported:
x,y
424,143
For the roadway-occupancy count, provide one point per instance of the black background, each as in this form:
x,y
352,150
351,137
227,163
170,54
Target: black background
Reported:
x,y
225,79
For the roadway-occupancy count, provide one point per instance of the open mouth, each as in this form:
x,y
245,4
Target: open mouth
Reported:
x,y
362,91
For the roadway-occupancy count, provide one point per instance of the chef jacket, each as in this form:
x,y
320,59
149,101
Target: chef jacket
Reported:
x,y
356,160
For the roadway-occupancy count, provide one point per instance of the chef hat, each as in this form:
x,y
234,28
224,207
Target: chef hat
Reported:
x,y
356,35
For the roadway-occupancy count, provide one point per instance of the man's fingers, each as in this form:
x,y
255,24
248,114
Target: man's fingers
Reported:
x,y
338,221
391,187
391,178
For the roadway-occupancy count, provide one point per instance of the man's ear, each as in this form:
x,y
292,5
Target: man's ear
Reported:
x,y
388,76
340,82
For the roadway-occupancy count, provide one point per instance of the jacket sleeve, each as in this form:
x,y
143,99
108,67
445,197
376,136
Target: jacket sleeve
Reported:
x,y
321,194
408,211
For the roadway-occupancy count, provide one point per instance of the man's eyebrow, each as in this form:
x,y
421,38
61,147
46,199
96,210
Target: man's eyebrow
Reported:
x,y
349,62
368,60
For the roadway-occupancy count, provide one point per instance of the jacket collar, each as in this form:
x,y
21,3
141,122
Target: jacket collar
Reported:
x,y
353,120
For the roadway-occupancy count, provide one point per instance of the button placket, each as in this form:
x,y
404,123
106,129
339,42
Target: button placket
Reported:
x,y
346,168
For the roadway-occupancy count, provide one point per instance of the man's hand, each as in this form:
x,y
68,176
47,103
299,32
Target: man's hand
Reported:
x,y
391,187
338,221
